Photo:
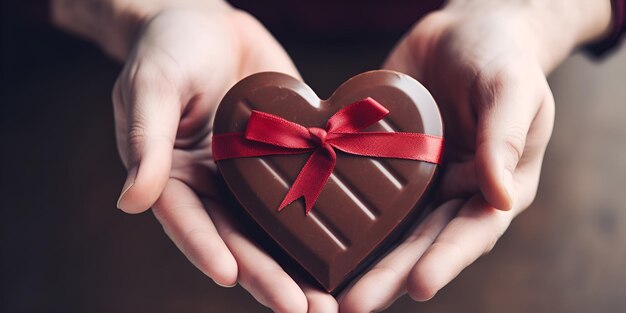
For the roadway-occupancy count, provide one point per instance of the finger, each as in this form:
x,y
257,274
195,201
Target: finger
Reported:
x,y
271,58
528,169
386,281
472,233
410,52
318,301
187,223
402,59
506,105
153,108
266,281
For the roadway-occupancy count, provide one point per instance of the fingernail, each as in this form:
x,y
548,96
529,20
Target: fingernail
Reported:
x,y
225,286
130,181
507,181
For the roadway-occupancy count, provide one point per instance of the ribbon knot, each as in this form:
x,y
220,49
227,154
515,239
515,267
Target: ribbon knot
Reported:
x,y
318,135
268,134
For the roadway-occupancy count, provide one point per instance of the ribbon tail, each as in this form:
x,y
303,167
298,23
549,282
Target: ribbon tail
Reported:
x,y
312,178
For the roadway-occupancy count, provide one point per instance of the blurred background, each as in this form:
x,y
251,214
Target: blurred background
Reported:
x,y
66,248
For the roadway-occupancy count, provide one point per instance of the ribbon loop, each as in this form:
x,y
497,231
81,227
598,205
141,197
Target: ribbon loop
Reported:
x,y
356,116
274,130
268,134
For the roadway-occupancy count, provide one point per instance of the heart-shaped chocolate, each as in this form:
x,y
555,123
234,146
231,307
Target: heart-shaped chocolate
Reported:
x,y
365,204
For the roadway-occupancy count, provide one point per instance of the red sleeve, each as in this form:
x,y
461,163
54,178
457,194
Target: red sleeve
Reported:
x,y
618,28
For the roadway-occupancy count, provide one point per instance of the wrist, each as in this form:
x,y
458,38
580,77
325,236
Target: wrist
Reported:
x,y
563,25
114,24
551,28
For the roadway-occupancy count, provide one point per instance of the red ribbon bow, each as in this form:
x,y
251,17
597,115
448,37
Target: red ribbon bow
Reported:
x,y
268,134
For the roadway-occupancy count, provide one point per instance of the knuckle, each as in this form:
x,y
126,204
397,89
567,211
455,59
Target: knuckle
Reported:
x,y
154,77
492,83
425,281
488,87
384,274
514,142
498,231
136,135
452,248
195,234
249,278
161,76
207,259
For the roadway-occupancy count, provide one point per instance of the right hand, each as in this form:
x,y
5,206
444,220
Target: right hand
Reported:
x,y
485,63
182,63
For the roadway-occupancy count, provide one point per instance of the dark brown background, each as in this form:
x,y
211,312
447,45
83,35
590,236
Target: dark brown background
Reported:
x,y
66,248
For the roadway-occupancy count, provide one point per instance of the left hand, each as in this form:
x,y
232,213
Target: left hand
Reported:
x,y
486,69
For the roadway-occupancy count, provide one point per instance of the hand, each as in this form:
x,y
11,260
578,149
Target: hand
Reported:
x,y
485,67
180,67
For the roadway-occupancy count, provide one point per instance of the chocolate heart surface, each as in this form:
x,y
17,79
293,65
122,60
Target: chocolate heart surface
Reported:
x,y
365,203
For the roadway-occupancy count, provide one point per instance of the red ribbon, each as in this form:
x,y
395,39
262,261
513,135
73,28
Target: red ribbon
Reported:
x,y
268,134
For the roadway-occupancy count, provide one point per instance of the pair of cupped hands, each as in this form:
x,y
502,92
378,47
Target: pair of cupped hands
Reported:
x,y
483,68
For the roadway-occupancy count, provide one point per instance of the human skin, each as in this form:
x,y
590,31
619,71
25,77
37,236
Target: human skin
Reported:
x,y
486,64
485,61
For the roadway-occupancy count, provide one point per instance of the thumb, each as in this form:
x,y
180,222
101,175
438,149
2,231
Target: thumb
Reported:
x,y
505,112
153,113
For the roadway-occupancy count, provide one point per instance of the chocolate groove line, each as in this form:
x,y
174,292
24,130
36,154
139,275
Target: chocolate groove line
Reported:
x,y
338,239
386,125
395,181
324,228
383,166
356,199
